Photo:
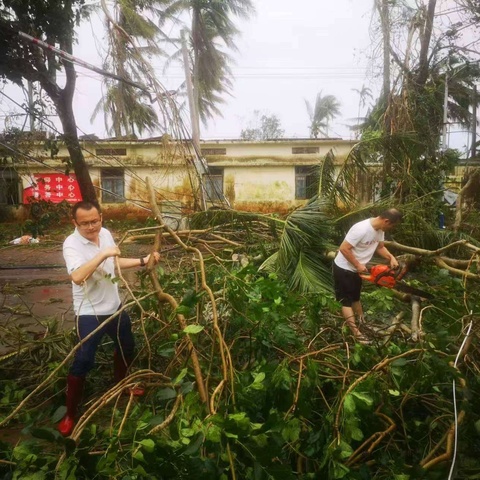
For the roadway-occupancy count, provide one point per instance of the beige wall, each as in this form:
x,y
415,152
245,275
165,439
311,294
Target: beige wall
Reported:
x,y
258,176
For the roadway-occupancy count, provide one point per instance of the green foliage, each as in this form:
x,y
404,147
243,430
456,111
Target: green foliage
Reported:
x,y
44,215
300,404
325,109
263,127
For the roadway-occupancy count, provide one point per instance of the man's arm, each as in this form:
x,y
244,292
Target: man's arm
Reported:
x,y
137,262
347,251
85,271
383,252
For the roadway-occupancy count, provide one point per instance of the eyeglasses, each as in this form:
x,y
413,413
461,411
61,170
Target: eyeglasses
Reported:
x,y
93,223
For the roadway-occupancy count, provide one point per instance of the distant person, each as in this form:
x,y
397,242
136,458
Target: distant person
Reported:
x,y
89,255
362,241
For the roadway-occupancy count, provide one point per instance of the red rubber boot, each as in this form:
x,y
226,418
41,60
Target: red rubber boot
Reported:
x,y
120,367
74,396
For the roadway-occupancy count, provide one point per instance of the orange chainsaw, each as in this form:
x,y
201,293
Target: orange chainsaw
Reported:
x,y
384,276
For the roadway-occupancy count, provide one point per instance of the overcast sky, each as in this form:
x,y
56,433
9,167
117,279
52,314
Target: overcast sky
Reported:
x,y
287,52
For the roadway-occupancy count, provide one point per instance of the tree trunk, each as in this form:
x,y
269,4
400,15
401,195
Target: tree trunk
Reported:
x,y
425,43
383,10
63,100
65,112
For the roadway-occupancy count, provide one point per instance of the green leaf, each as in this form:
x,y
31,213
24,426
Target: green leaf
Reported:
x,y
139,469
345,449
48,434
356,434
59,414
194,445
34,476
394,393
364,397
477,426
180,376
186,387
257,383
138,455
349,404
193,329
340,470
261,440
183,310
187,432
166,394
213,434
148,445
291,431
399,362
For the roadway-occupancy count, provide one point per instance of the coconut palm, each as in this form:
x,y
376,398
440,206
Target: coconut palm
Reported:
x,y
325,109
211,30
127,109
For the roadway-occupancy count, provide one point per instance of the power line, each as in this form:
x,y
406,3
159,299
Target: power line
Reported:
x,y
131,173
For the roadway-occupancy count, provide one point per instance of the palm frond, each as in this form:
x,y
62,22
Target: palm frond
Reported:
x,y
304,242
310,274
270,264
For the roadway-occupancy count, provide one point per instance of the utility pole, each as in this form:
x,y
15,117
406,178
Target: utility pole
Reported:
x,y
473,149
30,107
191,98
445,115
199,163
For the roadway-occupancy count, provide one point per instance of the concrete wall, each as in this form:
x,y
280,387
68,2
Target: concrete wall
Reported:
x,y
257,176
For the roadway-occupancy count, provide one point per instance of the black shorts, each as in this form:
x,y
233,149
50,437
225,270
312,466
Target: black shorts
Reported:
x,y
347,284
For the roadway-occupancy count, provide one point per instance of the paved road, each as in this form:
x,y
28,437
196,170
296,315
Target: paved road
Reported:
x,y
34,290
32,294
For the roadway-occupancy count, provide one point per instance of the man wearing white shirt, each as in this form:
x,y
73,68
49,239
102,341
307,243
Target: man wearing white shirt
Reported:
x,y
89,254
362,241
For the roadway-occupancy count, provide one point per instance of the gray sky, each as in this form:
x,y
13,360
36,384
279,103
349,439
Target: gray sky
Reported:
x,y
287,52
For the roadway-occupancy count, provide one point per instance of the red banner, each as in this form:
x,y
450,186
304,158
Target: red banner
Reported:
x,y
53,187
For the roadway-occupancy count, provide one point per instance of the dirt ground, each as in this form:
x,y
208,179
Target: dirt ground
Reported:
x,y
35,289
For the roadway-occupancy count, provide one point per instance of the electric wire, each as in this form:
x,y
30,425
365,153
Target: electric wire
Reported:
x,y
217,194
455,441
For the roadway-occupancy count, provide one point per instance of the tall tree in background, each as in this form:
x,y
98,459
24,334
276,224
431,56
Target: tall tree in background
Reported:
x,y
53,21
325,109
263,127
425,49
125,108
212,30
364,94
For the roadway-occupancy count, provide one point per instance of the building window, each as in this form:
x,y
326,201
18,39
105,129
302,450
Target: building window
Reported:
x,y
306,182
113,185
300,150
9,187
214,151
111,152
213,182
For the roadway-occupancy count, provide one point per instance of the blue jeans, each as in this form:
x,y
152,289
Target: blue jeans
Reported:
x,y
119,330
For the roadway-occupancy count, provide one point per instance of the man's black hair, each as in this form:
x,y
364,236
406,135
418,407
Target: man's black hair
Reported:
x,y
85,205
392,214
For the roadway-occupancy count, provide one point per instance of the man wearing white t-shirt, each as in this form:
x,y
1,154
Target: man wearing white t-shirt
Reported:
x,y
362,241
89,254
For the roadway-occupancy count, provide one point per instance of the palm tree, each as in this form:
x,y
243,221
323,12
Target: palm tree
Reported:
x,y
125,107
325,109
211,30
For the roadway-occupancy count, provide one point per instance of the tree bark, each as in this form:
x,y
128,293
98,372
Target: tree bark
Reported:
x,y
425,43
383,10
29,62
